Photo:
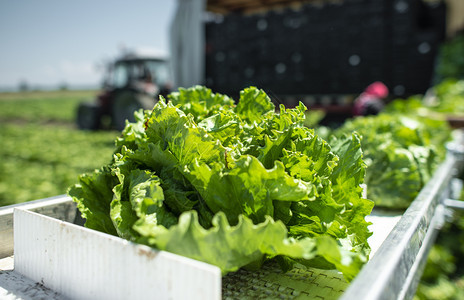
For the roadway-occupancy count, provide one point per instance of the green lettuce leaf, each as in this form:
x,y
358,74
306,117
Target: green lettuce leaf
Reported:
x,y
246,189
253,104
347,178
393,178
230,247
93,195
181,136
200,102
400,155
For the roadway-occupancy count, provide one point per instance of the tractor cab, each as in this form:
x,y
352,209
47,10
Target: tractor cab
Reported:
x,y
131,82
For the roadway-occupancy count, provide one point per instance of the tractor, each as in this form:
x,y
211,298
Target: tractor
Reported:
x,y
132,82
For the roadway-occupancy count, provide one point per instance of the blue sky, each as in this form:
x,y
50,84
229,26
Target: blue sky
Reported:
x,y
49,42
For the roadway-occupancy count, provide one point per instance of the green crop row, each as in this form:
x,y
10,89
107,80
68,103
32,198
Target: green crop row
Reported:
x,y
42,152
41,107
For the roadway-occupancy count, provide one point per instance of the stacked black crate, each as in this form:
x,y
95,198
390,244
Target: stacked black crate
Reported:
x,y
430,31
275,51
237,57
417,28
345,47
251,48
402,30
234,59
319,48
215,54
224,54
421,62
336,48
287,54
416,32
296,21
374,43
353,59
255,47
268,44
335,26
210,48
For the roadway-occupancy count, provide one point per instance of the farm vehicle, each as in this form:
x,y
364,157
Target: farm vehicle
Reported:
x,y
131,82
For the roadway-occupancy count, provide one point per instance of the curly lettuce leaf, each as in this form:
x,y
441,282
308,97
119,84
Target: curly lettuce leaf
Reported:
x,y
181,136
253,104
400,155
93,195
246,189
246,244
138,196
229,246
393,178
427,160
347,178
224,126
200,102
134,133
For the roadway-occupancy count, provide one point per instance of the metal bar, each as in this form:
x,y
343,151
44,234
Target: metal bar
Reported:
x,y
417,268
454,204
392,272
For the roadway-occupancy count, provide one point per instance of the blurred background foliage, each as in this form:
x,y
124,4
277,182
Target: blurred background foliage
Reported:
x,y
42,152
451,59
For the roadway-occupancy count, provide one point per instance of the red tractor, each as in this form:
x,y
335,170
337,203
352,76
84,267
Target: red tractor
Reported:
x,y
132,82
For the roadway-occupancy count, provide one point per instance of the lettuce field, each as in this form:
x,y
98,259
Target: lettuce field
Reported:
x,y
42,152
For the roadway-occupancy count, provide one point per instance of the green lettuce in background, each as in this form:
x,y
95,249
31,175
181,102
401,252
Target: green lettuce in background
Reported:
x,y
445,98
401,153
232,185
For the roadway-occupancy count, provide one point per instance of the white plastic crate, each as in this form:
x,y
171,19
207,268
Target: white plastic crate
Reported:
x,y
80,263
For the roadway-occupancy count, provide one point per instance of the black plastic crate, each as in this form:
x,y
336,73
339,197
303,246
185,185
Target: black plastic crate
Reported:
x,y
332,48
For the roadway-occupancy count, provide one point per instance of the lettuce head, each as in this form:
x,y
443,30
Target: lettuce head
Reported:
x,y
233,185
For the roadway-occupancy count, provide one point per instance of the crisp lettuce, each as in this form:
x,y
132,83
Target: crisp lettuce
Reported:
x,y
401,153
232,185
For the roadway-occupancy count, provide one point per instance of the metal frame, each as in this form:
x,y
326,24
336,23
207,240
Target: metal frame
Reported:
x,y
394,272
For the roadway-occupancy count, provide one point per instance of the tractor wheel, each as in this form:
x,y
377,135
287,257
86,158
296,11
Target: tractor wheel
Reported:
x,y
124,106
88,116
